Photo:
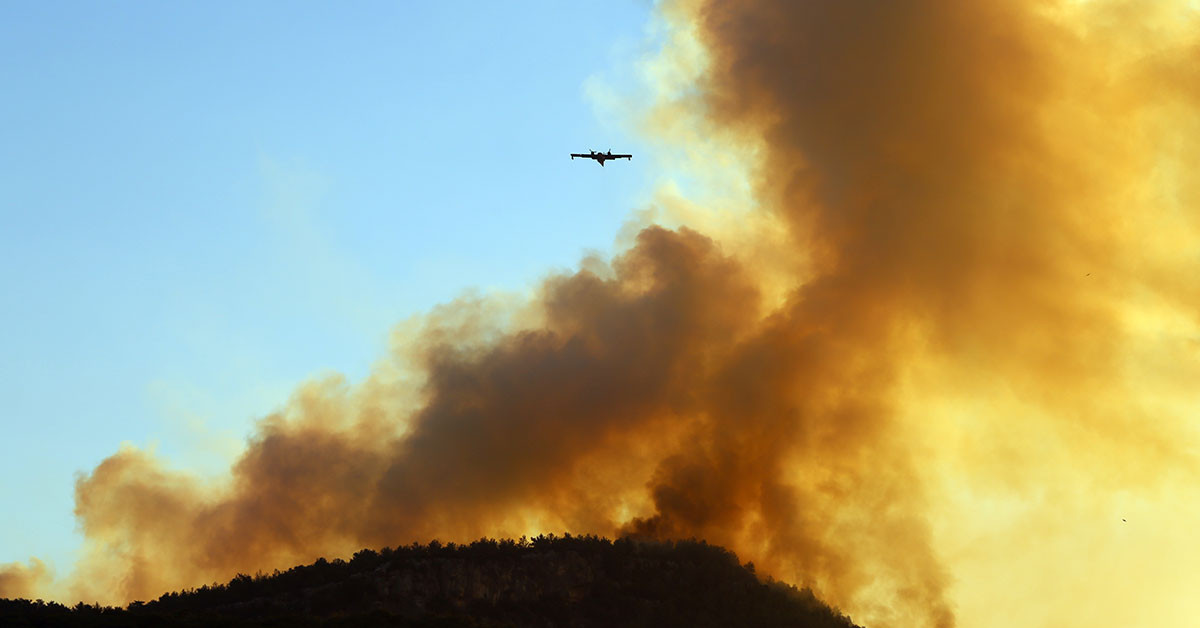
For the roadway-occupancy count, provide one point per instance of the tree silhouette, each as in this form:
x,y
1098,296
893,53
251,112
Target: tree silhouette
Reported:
x,y
572,581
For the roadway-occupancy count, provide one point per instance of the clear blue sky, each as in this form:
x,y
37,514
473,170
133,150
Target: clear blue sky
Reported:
x,y
202,204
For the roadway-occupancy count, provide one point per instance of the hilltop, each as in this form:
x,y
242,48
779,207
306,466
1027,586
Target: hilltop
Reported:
x,y
569,581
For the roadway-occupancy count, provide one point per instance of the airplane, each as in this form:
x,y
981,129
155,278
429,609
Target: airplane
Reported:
x,y
600,157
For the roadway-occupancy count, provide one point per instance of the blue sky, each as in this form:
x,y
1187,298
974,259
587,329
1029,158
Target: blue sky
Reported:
x,y
203,204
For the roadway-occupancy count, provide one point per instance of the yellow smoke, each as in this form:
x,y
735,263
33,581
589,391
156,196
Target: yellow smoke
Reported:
x,y
1009,186
929,343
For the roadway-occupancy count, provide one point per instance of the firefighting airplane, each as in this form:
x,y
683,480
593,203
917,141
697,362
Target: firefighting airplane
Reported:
x,y
600,157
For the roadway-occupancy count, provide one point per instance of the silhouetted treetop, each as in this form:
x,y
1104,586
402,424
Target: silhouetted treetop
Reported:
x,y
571,581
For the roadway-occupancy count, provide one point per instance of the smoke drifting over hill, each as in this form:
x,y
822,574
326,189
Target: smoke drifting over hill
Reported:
x,y
988,359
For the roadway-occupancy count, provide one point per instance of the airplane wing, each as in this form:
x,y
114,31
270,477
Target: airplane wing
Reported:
x,y
600,157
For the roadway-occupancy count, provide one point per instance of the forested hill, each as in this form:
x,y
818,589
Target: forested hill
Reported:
x,y
550,581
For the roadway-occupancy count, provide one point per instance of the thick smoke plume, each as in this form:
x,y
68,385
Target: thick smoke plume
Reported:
x,y
17,580
985,358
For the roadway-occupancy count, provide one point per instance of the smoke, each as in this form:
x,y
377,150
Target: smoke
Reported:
x,y
995,203
952,348
17,580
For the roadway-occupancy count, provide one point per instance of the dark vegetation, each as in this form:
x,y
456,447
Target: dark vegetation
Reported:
x,y
568,581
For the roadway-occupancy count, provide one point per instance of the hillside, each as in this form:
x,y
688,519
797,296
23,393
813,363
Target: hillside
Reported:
x,y
580,582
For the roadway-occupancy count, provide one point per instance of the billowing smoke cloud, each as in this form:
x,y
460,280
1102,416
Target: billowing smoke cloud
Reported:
x,y
17,580
987,362
997,205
